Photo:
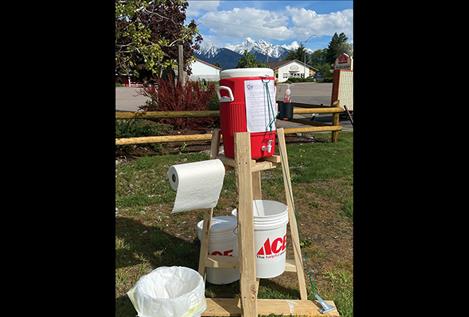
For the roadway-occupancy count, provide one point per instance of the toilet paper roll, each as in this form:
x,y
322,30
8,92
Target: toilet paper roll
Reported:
x,y
197,185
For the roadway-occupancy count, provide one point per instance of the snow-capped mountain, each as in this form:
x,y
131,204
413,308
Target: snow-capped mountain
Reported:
x,y
261,46
208,49
228,56
224,57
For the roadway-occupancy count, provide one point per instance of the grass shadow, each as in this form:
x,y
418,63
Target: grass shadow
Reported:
x,y
150,243
270,289
143,248
124,307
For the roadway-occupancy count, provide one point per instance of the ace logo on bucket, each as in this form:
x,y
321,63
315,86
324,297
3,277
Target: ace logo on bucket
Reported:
x,y
274,248
224,253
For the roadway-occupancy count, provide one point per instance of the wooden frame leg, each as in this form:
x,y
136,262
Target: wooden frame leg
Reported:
x,y
214,148
247,255
256,185
257,195
215,145
204,243
291,214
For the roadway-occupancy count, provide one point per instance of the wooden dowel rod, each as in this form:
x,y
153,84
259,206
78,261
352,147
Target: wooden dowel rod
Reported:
x,y
166,114
208,136
201,114
318,110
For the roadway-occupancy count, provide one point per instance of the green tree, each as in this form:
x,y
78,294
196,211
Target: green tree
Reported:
x,y
318,57
337,46
299,54
325,71
248,60
147,36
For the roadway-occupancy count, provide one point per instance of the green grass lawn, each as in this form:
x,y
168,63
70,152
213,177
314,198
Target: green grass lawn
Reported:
x,y
149,236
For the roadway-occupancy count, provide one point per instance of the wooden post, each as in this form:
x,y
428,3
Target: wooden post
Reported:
x,y
335,121
291,214
247,253
181,65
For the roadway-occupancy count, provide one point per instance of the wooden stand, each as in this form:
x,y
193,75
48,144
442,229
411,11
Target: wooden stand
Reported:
x,y
248,179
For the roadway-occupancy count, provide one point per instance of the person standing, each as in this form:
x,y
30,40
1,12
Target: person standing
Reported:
x,y
288,114
287,95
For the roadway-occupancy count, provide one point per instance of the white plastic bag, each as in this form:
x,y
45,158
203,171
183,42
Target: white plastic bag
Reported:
x,y
174,291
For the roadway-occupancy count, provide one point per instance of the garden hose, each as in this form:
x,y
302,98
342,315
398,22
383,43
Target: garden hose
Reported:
x,y
269,104
314,288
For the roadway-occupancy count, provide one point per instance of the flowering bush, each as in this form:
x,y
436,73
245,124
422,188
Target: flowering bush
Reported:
x,y
169,95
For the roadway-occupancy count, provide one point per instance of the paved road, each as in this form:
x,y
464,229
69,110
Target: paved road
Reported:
x,y
129,99
311,93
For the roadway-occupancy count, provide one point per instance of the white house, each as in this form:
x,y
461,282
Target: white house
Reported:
x,y
202,70
294,68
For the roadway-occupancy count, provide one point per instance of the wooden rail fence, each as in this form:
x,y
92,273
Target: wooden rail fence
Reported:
x,y
334,128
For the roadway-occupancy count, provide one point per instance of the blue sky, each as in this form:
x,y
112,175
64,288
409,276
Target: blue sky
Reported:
x,y
279,22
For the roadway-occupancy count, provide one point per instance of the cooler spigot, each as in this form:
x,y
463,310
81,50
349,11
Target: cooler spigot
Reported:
x,y
269,146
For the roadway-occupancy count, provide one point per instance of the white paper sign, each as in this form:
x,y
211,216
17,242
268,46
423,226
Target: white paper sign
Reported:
x,y
258,112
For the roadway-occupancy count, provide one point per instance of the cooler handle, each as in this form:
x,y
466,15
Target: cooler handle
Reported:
x,y
224,98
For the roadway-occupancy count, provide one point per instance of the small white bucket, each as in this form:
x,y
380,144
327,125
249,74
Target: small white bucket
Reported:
x,y
270,237
223,241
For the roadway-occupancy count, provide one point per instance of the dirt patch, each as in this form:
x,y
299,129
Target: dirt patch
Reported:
x,y
326,236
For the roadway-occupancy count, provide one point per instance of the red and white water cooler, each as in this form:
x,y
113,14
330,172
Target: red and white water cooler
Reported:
x,y
247,104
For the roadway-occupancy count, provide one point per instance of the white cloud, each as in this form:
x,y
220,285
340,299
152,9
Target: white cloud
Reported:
x,y
308,22
295,24
196,7
292,46
248,22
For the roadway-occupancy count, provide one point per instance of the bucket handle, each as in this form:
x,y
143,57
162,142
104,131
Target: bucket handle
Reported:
x,y
224,98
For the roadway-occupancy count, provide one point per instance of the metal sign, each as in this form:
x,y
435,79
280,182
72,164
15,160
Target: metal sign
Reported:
x,y
343,61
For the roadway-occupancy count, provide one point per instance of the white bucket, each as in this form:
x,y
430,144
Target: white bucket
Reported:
x,y
223,241
270,237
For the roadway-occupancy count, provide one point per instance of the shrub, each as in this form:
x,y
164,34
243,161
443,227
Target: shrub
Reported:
x,y
300,80
168,95
214,103
140,127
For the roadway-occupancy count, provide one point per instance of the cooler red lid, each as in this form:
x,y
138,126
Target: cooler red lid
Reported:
x,y
246,72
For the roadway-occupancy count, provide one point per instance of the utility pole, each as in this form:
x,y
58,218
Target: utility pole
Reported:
x,y
181,65
304,63
304,56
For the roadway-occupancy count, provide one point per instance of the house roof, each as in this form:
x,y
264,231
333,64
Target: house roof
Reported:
x,y
207,63
277,64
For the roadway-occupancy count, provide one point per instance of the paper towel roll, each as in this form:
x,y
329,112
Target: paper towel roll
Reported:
x,y
197,185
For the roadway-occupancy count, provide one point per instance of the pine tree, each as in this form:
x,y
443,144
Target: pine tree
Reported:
x,y
318,57
248,60
337,46
298,54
